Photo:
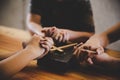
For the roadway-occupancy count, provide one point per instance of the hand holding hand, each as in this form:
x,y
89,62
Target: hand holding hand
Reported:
x,y
38,43
59,35
85,52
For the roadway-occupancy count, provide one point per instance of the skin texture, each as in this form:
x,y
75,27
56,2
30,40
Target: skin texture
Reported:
x,y
92,48
92,51
36,48
60,35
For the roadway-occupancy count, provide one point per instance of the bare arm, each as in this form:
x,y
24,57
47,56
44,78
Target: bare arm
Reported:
x,y
77,36
64,35
107,37
18,61
97,42
15,63
5,55
110,35
33,24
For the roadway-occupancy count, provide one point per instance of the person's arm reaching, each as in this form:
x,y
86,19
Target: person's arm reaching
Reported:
x,y
37,47
78,36
110,35
61,35
64,35
33,24
97,42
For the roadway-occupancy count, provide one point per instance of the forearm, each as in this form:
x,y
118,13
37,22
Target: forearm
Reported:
x,y
77,36
5,55
113,33
16,62
102,39
35,28
110,35
33,24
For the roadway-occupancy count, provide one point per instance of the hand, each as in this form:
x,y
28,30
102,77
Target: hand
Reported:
x,y
47,44
103,58
86,51
39,46
59,35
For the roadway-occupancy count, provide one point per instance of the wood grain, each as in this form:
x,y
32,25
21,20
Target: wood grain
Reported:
x,y
10,44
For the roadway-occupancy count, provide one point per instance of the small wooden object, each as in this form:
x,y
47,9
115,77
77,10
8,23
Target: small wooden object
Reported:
x,y
62,47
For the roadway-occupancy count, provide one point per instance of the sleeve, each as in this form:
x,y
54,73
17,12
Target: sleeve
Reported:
x,y
36,7
87,16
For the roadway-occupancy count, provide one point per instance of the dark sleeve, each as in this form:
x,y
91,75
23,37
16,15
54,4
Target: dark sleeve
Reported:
x,y
88,16
36,6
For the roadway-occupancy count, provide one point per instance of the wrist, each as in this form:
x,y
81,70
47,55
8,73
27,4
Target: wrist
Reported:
x,y
87,34
34,51
95,40
103,39
77,36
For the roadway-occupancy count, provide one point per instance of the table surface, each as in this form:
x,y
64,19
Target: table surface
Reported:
x,y
10,41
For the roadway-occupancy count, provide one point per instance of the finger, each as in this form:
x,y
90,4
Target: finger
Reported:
x,y
47,43
76,50
60,39
83,55
77,53
93,48
57,36
100,50
52,30
91,53
87,47
47,31
54,27
89,61
80,44
44,30
46,47
63,36
49,39
67,37
54,34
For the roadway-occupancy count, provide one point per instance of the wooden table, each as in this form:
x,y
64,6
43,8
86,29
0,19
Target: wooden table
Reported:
x,y
10,41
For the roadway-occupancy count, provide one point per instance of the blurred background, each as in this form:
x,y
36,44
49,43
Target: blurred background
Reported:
x,y
13,13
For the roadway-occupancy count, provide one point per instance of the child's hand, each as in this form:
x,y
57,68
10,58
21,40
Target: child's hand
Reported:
x,y
59,35
39,46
